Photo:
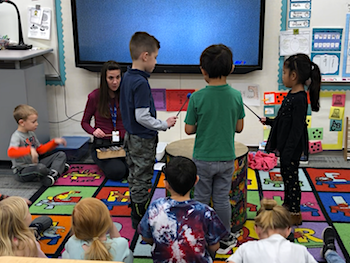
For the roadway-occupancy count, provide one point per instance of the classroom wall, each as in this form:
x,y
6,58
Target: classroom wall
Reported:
x,y
71,99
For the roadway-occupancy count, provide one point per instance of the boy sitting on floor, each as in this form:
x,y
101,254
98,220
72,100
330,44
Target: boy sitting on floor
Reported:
x,y
181,229
25,148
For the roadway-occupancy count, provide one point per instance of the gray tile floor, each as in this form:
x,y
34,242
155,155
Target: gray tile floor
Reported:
x,y
9,186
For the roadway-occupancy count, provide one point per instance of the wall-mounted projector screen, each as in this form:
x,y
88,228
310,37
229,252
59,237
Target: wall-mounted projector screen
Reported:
x,y
103,28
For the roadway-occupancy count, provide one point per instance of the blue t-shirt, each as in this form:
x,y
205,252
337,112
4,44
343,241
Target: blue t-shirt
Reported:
x,y
135,93
181,230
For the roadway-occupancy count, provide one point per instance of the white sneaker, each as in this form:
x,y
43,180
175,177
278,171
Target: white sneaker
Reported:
x,y
48,180
66,167
227,244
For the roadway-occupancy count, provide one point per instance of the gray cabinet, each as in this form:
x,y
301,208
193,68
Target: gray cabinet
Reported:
x,y
22,81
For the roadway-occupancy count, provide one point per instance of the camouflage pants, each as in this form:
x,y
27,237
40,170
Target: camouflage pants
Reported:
x,y
140,157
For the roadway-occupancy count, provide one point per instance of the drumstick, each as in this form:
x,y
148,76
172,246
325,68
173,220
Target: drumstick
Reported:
x,y
252,111
188,96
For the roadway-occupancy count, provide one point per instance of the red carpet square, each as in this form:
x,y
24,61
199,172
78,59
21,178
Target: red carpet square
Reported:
x,y
116,199
330,180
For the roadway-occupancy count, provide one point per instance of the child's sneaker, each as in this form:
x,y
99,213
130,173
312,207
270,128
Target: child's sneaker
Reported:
x,y
227,244
51,178
66,167
328,236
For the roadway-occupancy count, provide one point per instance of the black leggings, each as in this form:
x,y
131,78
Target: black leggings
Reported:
x,y
292,191
115,169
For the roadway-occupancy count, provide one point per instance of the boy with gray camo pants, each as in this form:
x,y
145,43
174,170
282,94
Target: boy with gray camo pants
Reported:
x,y
140,121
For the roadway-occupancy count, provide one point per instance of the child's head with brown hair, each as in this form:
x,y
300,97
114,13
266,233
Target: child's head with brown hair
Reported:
x,y
144,51
22,111
142,42
271,219
16,239
90,222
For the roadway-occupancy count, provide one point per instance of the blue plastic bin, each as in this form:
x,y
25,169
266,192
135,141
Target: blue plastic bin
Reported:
x,y
77,147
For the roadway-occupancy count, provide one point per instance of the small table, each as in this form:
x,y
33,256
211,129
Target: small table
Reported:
x,y
238,193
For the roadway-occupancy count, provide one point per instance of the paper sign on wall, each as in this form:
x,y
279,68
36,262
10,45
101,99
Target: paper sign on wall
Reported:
x,y
291,44
250,93
338,100
328,63
41,27
159,99
336,113
175,98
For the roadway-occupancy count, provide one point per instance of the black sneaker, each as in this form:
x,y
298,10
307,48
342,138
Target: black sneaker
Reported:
x,y
51,178
40,224
227,244
328,236
66,167
137,212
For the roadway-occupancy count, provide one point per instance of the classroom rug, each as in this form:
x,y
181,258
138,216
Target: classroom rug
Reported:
x,y
325,202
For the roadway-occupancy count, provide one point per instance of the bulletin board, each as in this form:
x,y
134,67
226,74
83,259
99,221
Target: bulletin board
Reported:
x,y
324,127
332,140
318,18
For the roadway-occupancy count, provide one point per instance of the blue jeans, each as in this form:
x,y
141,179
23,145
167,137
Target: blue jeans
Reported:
x,y
332,257
215,179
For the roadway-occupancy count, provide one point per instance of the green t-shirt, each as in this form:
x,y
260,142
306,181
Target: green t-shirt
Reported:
x,y
215,110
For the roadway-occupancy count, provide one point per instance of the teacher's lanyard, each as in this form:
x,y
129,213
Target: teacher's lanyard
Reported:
x,y
113,115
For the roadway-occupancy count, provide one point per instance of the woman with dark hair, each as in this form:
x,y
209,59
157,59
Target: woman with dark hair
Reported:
x,y
103,105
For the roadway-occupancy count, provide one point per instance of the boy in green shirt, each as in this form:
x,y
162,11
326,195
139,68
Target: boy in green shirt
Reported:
x,y
215,114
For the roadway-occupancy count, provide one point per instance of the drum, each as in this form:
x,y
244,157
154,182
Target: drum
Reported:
x,y
238,193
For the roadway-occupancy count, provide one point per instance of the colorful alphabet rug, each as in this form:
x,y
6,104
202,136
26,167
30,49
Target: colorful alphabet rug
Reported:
x,y
325,202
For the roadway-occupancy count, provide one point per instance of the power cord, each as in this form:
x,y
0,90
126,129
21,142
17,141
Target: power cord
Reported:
x,y
65,98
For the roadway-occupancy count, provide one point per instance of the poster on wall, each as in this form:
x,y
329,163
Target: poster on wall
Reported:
x,y
39,23
291,43
326,39
327,62
250,93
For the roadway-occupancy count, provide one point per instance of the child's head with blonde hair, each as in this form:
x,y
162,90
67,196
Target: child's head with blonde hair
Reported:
x,y
16,238
90,221
22,111
271,219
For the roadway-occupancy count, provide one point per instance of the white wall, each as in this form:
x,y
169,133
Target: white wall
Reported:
x,y
81,82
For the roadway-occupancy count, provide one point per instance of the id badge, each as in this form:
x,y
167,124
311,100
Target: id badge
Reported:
x,y
115,136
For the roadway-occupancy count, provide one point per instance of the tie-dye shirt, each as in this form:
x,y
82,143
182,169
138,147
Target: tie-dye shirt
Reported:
x,y
181,230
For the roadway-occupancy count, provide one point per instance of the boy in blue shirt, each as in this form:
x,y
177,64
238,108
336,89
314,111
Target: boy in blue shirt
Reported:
x,y
140,121
215,114
181,229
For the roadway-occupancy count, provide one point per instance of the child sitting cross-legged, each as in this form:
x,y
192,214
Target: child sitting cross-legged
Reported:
x,y
181,229
95,235
273,226
27,154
